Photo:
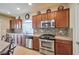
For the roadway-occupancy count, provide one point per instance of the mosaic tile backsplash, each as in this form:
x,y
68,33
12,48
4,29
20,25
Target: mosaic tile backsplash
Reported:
x,y
56,31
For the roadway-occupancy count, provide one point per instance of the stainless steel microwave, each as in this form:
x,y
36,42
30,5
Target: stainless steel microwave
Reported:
x,y
48,24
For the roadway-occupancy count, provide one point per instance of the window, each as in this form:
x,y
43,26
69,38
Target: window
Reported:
x,y
27,27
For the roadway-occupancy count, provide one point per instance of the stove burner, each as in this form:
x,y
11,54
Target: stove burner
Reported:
x,y
47,36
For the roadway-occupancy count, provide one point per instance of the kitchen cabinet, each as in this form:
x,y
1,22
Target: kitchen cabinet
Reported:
x,y
12,24
48,16
16,24
36,21
19,38
62,18
44,17
23,40
19,41
63,47
36,43
51,15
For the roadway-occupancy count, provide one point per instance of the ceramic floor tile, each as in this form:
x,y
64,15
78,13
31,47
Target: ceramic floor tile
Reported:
x,y
19,50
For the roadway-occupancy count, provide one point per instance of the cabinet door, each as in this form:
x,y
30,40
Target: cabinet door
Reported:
x,y
62,18
51,15
63,48
38,17
19,41
36,43
12,24
19,24
34,22
44,17
23,43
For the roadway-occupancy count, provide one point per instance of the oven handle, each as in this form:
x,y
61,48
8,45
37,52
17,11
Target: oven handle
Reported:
x,y
46,40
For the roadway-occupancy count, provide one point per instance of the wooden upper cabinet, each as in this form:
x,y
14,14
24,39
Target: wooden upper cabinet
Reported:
x,y
44,17
38,17
62,18
12,24
18,24
34,22
48,16
51,15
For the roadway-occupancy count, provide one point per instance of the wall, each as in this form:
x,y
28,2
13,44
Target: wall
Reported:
x,y
4,21
75,17
45,6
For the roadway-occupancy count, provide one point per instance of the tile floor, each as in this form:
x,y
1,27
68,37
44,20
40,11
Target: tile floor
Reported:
x,y
19,50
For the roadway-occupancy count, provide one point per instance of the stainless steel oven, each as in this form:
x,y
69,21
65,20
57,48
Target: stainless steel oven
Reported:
x,y
47,44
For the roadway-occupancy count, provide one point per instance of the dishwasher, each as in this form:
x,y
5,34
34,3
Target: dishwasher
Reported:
x,y
29,42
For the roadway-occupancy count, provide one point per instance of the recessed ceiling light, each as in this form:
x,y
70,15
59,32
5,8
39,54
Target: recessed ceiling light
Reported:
x,y
18,8
8,12
29,3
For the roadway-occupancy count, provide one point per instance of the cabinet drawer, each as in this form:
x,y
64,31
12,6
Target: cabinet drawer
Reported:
x,y
63,41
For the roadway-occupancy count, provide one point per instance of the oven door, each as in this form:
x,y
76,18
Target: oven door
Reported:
x,y
47,44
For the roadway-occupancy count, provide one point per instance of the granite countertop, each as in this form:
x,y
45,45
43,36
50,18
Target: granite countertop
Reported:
x,y
58,37
36,35
63,38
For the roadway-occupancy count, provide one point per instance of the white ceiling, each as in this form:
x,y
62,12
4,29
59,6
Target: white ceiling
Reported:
x,y
12,8
24,8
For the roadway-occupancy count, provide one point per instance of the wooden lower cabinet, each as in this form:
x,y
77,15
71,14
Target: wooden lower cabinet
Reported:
x,y
63,47
23,41
36,43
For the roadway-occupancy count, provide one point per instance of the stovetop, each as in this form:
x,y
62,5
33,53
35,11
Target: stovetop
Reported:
x,y
47,36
